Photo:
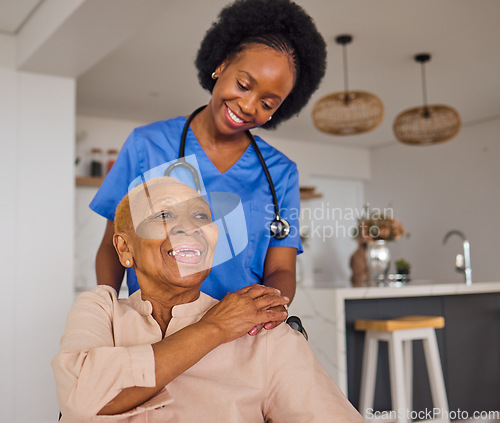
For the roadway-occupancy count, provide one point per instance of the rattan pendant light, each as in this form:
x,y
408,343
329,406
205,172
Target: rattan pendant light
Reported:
x,y
426,124
347,112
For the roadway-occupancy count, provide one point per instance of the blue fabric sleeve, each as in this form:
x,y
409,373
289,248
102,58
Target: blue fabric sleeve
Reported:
x,y
115,186
290,210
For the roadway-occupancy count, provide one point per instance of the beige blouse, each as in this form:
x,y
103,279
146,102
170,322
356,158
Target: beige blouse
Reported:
x,y
271,377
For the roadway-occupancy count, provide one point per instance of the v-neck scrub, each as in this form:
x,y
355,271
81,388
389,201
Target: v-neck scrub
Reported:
x,y
155,144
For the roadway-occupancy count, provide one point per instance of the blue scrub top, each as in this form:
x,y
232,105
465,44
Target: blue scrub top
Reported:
x,y
153,145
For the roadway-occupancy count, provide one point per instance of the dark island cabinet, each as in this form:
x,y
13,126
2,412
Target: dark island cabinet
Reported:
x,y
469,346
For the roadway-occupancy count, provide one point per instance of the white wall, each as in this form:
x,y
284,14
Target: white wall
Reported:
x,y
454,185
36,215
8,246
314,159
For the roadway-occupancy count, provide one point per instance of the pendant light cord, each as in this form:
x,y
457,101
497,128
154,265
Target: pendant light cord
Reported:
x,y
424,90
346,82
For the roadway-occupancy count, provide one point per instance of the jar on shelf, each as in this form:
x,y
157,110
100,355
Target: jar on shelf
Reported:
x,y
112,156
96,162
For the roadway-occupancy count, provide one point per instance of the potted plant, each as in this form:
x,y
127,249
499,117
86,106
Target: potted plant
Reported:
x,y
402,267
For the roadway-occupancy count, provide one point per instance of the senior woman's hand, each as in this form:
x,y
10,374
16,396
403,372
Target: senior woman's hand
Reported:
x,y
243,310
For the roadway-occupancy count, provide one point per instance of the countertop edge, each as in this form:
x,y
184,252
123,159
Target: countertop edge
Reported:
x,y
350,293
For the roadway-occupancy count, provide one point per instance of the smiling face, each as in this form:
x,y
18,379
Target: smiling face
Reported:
x,y
250,87
174,238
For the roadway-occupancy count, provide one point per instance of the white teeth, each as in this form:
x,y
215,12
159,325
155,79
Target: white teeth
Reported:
x,y
187,252
234,117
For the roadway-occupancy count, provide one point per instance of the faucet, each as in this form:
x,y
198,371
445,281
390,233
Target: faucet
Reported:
x,y
462,261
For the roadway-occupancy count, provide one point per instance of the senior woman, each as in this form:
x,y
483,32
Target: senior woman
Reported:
x,y
170,353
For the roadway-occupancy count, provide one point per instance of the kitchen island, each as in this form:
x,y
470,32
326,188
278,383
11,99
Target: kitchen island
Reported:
x,y
469,344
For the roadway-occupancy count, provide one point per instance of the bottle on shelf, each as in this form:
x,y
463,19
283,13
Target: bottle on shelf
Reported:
x,y
112,155
96,162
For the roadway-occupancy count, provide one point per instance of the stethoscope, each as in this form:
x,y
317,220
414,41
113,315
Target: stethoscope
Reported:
x,y
279,227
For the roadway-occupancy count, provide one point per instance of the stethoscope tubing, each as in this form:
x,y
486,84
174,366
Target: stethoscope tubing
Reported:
x,y
182,163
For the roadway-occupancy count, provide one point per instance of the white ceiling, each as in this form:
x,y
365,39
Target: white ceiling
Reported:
x,y
151,76
13,14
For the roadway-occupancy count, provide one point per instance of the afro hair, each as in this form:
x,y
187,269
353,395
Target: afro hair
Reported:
x,y
251,19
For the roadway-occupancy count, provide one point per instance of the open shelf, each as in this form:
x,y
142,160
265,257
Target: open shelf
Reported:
x,y
88,181
306,193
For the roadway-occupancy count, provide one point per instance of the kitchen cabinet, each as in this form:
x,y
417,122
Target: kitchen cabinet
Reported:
x,y
469,343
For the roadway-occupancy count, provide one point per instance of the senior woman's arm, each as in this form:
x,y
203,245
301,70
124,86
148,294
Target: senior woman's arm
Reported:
x,y
95,377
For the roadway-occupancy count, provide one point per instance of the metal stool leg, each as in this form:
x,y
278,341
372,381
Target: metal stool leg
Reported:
x,y
435,371
368,373
397,371
408,354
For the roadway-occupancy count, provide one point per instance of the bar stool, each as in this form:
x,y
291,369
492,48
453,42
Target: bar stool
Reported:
x,y
399,334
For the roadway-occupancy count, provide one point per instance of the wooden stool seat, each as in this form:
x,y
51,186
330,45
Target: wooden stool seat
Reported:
x,y
406,322
400,333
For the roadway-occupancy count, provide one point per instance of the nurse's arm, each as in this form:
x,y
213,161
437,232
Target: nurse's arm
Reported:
x,y
279,273
279,270
109,270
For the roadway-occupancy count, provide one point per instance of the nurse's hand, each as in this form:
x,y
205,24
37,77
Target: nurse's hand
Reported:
x,y
279,272
270,325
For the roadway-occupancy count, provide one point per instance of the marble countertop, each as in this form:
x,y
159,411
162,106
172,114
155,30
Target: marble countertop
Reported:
x,y
412,289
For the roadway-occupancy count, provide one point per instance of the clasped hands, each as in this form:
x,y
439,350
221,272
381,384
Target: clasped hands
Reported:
x,y
248,310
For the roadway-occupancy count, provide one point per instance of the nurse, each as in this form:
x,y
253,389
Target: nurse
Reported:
x,y
261,61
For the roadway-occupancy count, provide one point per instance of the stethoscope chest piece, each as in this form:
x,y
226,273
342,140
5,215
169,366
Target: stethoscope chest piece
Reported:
x,y
280,228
